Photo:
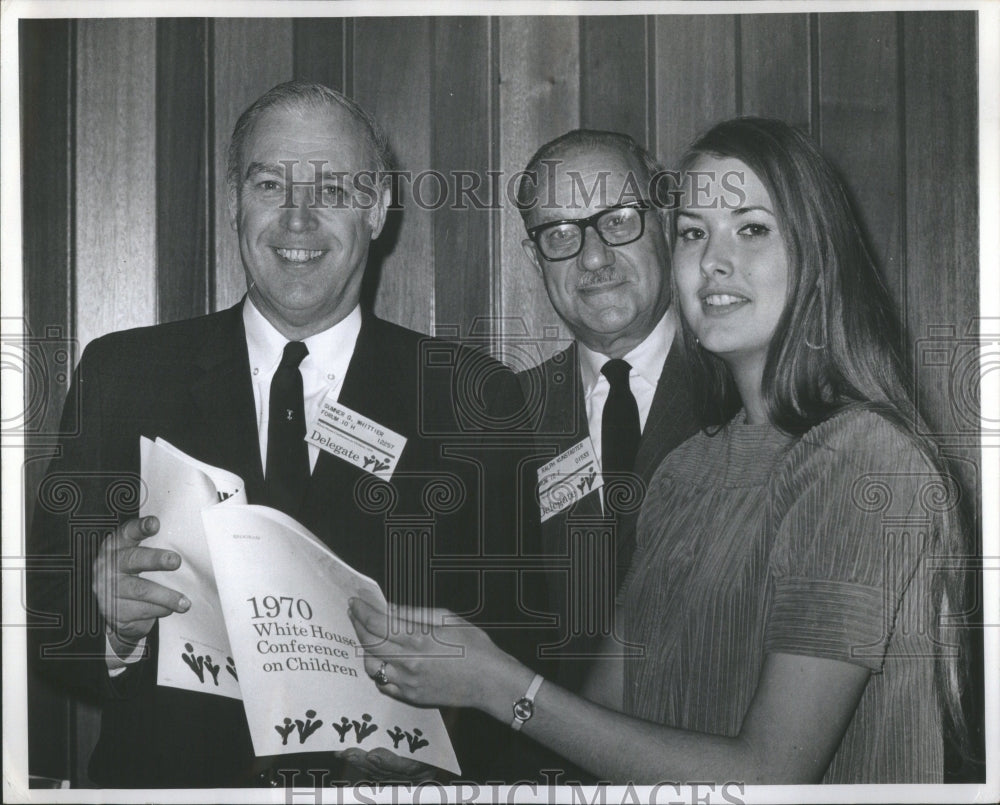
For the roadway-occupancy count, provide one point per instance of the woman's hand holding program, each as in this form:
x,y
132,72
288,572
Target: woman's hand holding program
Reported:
x,y
427,657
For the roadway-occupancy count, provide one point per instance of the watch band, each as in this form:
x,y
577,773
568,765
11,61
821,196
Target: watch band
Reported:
x,y
524,708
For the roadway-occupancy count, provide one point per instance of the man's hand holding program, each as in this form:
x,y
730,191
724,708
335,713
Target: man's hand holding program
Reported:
x,y
131,604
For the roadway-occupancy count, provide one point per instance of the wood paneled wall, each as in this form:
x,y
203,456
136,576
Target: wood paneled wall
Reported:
x,y
125,125
151,104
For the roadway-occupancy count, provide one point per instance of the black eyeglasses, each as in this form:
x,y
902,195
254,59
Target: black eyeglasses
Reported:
x,y
615,226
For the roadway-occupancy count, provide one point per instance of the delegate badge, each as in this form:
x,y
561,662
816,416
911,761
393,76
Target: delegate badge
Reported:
x,y
567,478
356,439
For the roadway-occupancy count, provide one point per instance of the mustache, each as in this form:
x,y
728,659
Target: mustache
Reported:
x,y
599,277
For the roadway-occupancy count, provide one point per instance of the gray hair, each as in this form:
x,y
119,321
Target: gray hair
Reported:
x,y
585,140
297,94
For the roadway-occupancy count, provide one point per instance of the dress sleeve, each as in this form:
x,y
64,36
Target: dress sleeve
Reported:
x,y
857,510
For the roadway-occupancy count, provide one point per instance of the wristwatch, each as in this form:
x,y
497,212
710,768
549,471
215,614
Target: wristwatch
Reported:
x,y
524,708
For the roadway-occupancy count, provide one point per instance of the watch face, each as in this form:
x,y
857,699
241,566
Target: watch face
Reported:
x,y
523,709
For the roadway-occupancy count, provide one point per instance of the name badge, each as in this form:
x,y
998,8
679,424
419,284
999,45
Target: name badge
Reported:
x,y
356,439
567,478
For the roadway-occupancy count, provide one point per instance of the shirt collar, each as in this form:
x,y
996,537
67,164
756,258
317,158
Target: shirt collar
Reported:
x,y
330,351
646,358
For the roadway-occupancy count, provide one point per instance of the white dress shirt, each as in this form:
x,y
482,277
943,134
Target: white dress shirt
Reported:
x,y
322,370
646,361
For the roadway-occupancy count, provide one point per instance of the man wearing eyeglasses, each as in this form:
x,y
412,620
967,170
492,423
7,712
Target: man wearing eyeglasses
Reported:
x,y
599,242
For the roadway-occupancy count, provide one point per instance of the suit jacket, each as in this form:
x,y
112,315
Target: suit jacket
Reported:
x,y
189,382
560,422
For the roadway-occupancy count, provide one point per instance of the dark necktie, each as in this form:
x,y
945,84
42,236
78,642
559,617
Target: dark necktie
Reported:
x,y
287,453
620,420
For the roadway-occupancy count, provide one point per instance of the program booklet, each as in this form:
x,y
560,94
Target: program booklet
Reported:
x,y
268,622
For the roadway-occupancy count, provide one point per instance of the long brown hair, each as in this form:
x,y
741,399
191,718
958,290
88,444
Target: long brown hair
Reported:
x,y
837,343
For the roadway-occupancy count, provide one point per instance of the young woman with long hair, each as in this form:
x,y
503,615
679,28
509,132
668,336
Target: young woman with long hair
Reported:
x,y
787,584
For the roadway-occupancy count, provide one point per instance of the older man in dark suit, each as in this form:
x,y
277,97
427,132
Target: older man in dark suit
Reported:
x,y
618,396
308,193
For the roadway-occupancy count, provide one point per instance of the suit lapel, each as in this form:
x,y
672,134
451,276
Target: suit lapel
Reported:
x,y
566,402
671,417
223,394
371,387
376,374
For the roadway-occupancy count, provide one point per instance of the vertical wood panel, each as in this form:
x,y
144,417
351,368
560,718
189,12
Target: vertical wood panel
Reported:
x,y
184,187
46,52
461,101
695,79
251,56
46,48
115,176
539,100
858,127
321,51
774,67
613,86
393,84
942,231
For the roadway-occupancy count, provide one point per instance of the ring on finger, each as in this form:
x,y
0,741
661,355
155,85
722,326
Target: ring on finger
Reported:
x,y
380,676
